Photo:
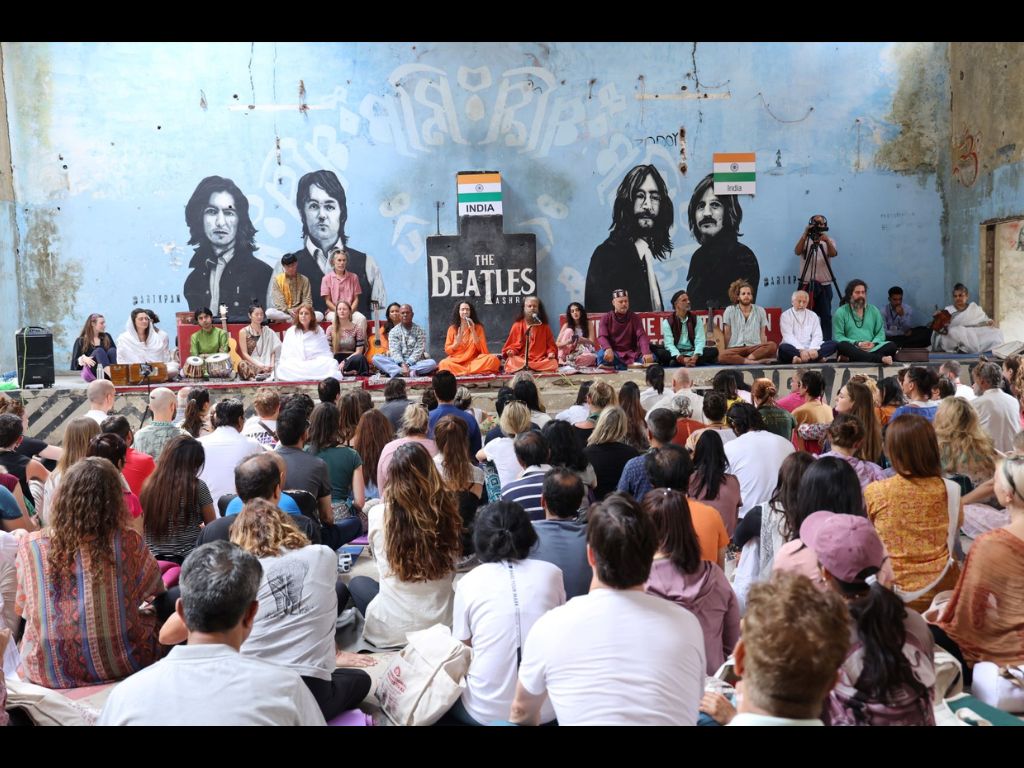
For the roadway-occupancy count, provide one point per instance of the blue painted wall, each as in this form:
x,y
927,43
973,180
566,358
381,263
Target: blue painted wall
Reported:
x,y
108,142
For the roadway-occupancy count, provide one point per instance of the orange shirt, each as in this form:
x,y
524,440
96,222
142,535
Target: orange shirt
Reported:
x,y
710,529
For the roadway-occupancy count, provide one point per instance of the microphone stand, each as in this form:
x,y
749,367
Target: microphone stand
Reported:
x,y
145,380
526,361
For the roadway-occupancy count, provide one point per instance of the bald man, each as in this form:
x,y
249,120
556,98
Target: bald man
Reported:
x,y
681,384
100,395
152,437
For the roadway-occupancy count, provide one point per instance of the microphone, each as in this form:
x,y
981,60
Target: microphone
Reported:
x,y
535,318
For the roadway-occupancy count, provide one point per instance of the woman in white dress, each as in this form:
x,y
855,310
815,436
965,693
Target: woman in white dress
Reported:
x,y
969,330
305,353
143,342
258,346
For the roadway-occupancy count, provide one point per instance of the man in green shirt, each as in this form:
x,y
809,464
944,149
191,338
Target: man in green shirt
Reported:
x,y
152,438
858,328
207,340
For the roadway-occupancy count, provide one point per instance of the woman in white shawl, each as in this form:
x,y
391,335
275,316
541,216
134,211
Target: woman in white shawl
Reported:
x,y
305,354
258,346
970,330
143,342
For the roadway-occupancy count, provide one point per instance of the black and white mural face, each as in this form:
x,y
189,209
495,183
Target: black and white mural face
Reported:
x,y
323,209
642,216
224,270
721,258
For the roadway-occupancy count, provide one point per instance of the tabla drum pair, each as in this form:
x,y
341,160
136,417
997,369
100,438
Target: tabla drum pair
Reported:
x,y
216,366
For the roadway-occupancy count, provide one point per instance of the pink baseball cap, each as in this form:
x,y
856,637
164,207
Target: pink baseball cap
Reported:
x,y
845,544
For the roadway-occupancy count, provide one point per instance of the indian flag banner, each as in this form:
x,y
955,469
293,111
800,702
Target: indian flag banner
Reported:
x,y
479,194
734,173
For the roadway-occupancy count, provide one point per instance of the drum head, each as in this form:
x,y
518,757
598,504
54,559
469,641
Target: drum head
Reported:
x,y
219,357
194,360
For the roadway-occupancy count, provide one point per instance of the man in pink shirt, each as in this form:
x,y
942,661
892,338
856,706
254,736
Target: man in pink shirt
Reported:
x,y
795,398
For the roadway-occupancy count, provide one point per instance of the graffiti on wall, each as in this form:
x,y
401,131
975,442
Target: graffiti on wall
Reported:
x,y
526,108
965,157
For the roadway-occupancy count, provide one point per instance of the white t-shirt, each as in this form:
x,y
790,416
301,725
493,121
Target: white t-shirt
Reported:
x,y
755,459
211,685
9,581
696,404
253,430
574,414
501,450
225,448
617,657
294,625
402,606
486,612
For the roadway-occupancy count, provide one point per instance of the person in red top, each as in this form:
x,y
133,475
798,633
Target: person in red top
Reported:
x,y
137,465
531,325
621,336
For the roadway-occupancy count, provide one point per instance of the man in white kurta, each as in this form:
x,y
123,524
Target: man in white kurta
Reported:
x,y
801,334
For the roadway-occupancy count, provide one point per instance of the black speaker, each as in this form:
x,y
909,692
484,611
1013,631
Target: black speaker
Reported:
x,y
35,356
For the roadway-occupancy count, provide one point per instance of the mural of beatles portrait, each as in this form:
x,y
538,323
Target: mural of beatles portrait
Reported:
x,y
721,258
323,209
224,269
641,218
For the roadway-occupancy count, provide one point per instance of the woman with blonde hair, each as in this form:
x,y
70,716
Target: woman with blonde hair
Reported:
x,y
599,396
415,423
777,420
964,447
855,398
515,420
607,451
77,435
81,583
416,538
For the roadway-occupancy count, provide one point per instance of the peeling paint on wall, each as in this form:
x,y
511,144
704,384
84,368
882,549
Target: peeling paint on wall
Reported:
x,y
50,279
917,108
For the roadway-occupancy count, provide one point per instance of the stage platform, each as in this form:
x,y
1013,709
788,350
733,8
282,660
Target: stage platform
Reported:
x,y
51,408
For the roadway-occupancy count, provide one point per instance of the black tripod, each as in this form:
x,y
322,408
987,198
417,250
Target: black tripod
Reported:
x,y
146,371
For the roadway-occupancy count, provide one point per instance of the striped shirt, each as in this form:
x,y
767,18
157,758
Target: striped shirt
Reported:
x,y
86,628
526,491
182,530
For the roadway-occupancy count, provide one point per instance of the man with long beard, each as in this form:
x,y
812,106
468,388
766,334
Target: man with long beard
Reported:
x,y
721,258
858,328
641,218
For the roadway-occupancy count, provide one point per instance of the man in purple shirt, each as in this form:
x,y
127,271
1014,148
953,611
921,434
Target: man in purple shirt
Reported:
x,y
622,338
